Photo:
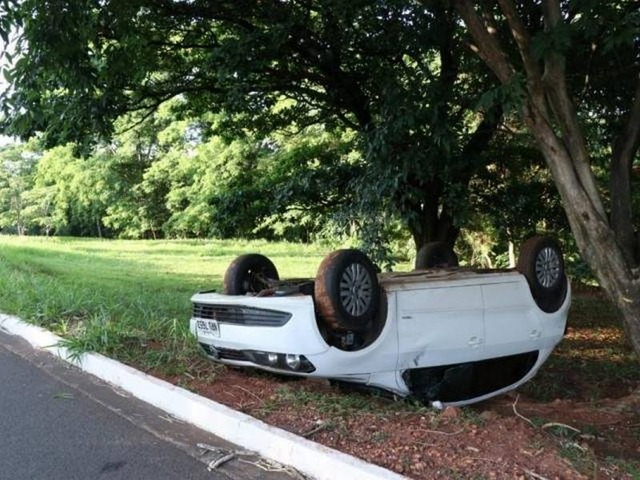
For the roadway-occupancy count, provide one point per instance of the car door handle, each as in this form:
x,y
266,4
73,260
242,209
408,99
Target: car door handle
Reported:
x,y
475,341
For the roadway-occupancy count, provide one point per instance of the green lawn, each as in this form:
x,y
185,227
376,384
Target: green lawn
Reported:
x,y
117,297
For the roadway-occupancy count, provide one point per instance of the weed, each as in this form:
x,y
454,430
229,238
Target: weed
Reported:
x,y
472,416
379,437
337,405
581,457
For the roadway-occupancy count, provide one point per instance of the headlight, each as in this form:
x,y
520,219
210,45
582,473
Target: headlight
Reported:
x,y
288,362
272,358
292,361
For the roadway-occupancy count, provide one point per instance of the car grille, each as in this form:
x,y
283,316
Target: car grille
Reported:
x,y
238,315
226,353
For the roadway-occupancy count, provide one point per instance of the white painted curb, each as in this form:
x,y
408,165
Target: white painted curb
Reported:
x,y
308,457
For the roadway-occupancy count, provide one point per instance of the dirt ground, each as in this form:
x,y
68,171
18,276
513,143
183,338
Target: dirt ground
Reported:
x,y
508,437
573,435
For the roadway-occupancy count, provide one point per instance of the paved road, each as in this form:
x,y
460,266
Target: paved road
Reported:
x,y
59,423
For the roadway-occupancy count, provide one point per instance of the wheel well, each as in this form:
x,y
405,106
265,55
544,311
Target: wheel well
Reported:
x,y
354,340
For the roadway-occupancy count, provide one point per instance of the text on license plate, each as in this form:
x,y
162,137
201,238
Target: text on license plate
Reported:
x,y
208,328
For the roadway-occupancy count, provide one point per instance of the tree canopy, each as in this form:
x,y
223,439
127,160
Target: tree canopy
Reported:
x,y
392,71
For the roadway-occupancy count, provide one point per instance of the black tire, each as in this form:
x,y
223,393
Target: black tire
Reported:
x,y
249,273
436,255
347,293
541,262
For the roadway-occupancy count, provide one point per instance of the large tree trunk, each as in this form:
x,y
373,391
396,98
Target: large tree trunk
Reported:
x,y
594,236
624,150
548,112
428,225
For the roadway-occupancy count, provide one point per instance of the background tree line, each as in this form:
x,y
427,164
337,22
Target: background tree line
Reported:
x,y
175,178
167,178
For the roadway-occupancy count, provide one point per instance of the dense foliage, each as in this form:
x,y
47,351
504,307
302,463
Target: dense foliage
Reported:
x,y
393,72
575,66
166,180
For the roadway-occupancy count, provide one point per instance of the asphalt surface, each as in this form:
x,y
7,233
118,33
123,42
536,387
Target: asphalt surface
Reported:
x,y
58,423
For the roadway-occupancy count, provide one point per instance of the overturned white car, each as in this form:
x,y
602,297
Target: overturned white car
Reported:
x,y
439,333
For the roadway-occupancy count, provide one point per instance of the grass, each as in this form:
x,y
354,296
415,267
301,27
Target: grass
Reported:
x,y
126,299
630,468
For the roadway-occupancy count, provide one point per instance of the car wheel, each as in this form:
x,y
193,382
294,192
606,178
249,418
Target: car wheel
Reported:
x,y
541,262
436,255
347,292
249,273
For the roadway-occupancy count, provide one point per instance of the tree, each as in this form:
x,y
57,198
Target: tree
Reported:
x,y
134,211
17,165
281,187
393,71
536,57
311,179
79,191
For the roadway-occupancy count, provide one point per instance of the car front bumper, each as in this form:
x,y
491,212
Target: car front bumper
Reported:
x,y
295,347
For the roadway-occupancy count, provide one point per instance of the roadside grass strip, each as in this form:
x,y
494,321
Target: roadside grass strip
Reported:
x,y
119,297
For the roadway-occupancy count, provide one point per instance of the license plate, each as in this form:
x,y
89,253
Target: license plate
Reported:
x,y
208,328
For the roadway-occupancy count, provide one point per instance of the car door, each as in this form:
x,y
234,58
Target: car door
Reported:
x,y
440,324
512,321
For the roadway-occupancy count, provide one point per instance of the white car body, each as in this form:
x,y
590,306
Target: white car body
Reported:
x,y
434,318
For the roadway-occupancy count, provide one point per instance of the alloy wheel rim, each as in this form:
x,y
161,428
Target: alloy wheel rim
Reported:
x,y
356,289
547,267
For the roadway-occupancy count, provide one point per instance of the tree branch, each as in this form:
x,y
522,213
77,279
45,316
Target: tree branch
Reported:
x,y
479,140
486,45
556,88
183,45
534,111
197,10
520,35
627,144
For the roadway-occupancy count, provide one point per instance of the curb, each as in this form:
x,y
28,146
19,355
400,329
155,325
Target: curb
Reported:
x,y
310,458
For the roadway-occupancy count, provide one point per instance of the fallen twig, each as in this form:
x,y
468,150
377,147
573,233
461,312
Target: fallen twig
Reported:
x,y
314,430
535,475
482,459
207,448
533,454
210,448
577,445
562,425
518,414
250,393
224,459
271,466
